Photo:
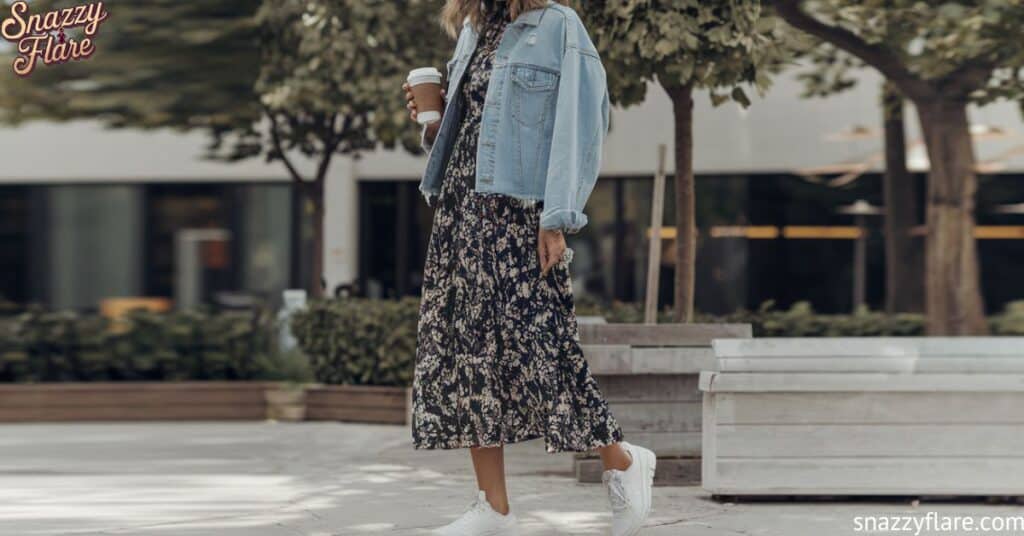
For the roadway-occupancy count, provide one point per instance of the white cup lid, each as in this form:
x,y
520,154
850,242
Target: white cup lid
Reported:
x,y
424,72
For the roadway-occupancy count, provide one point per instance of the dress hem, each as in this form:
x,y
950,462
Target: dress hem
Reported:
x,y
617,437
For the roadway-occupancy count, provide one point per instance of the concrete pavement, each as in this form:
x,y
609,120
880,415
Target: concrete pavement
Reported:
x,y
320,479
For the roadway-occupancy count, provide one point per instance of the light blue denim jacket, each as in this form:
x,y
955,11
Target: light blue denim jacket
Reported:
x,y
544,121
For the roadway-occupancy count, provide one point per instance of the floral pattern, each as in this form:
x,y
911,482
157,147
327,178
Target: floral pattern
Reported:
x,y
498,359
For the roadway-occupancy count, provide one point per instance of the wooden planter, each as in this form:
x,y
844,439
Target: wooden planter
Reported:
x,y
357,403
872,416
649,375
128,401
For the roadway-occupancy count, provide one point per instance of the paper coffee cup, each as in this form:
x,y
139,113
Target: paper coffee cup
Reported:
x,y
426,91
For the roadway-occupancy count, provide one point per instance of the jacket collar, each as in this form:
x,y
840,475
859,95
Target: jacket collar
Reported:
x,y
532,18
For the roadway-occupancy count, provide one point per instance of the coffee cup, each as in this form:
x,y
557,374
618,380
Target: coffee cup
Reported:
x,y
425,84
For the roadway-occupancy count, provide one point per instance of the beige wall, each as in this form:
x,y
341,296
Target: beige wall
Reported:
x,y
778,133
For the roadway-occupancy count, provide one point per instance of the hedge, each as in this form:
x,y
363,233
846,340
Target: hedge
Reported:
x,y
369,342
352,341
359,341
43,346
802,321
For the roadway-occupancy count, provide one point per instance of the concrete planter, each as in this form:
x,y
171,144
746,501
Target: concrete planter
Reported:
x,y
649,375
131,401
871,416
358,403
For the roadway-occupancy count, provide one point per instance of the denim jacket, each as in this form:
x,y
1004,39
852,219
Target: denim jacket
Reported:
x,y
544,121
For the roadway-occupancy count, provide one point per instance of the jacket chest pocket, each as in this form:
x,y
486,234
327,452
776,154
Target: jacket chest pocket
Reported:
x,y
533,92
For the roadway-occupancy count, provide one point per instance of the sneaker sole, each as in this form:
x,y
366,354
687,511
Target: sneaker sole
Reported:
x,y
649,462
512,531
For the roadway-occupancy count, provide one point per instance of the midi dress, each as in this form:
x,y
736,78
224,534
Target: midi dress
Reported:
x,y
498,358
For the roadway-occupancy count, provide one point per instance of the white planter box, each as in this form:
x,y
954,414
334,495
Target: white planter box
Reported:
x,y
884,416
649,374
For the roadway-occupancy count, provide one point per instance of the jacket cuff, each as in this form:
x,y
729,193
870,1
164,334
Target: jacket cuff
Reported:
x,y
430,198
426,144
565,220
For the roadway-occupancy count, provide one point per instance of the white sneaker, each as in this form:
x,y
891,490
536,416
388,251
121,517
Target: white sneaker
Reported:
x,y
481,520
629,491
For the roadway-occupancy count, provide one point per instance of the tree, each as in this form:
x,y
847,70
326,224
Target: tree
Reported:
x,y
330,84
685,46
904,262
954,53
904,259
271,78
160,63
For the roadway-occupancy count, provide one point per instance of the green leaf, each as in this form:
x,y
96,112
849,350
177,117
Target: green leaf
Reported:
x,y
740,97
718,99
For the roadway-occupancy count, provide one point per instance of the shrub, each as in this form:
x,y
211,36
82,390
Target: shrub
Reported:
x,y
358,341
373,342
41,346
1010,321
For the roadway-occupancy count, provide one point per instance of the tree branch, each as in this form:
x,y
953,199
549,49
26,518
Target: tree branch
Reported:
x,y
321,170
971,75
331,139
965,79
874,55
275,136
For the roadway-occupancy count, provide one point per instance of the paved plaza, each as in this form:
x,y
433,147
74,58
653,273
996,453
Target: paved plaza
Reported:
x,y
269,479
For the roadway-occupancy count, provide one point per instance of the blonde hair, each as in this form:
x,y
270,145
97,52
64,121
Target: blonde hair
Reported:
x,y
456,11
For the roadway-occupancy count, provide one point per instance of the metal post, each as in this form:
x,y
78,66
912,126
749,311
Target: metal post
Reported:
x,y
860,264
654,252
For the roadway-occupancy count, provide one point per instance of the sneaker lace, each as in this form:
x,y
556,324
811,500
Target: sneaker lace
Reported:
x,y
616,491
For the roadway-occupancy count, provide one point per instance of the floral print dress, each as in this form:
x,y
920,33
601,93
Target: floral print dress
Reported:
x,y
498,359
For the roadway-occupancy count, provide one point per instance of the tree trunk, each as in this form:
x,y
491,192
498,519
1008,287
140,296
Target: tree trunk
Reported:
x,y
686,219
297,264
904,260
316,275
953,302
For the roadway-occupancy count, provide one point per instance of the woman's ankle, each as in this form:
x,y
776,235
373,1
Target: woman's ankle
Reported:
x,y
498,504
615,457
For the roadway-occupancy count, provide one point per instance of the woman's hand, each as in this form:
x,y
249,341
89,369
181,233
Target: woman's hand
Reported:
x,y
551,247
411,106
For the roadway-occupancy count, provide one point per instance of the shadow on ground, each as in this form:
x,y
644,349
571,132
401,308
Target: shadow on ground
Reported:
x,y
320,479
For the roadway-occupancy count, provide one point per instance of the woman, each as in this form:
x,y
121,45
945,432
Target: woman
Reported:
x,y
512,163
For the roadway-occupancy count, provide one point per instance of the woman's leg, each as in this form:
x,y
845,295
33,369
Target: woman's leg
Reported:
x,y
615,457
489,465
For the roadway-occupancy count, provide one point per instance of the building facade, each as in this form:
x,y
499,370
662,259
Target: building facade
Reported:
x,y
89,213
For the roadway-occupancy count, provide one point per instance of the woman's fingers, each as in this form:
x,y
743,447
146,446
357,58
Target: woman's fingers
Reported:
x,y
411,106
547,266
553,256
410,103
552,246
